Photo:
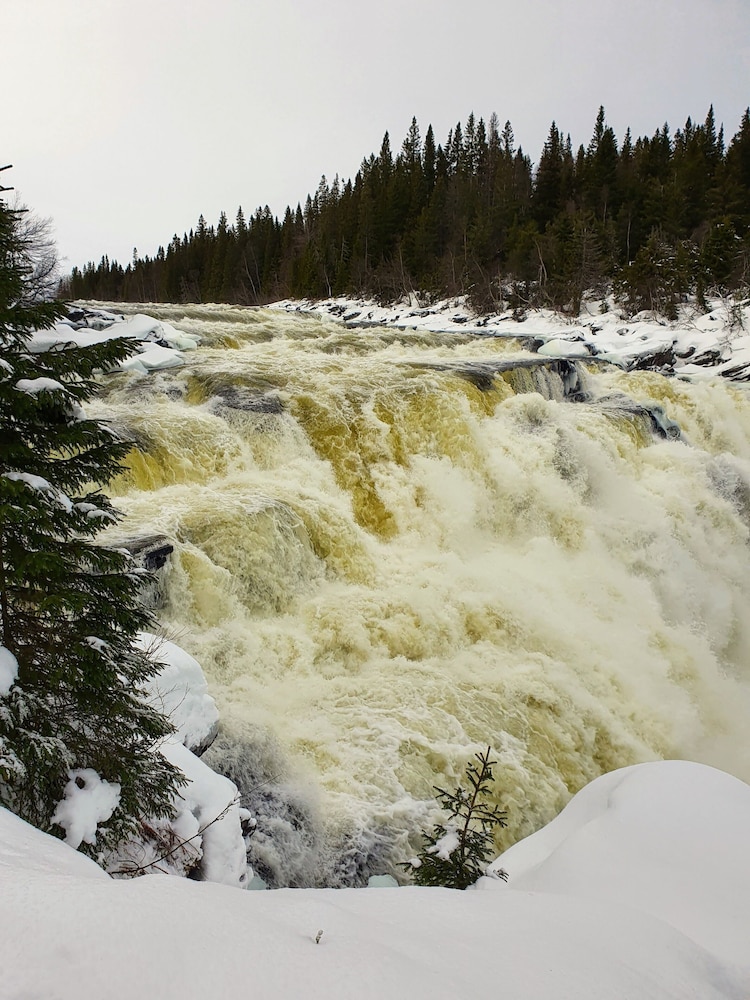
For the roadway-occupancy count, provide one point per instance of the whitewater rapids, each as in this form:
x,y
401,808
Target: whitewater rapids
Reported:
x,y
392,549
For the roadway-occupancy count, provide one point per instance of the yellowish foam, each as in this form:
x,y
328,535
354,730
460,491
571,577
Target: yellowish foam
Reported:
x,y
394,568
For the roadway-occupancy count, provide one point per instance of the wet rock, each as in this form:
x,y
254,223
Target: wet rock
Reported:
x,y
737,373
151,552
248,400
708,358
663,426
656,361
654,417
531,344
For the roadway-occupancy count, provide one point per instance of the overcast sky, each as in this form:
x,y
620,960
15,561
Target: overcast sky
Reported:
x,y
126,119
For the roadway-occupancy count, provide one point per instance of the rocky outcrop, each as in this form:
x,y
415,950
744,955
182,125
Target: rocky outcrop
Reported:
x,y
151,552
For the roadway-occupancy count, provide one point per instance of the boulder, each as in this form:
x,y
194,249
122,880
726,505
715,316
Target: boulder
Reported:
x,y
150,552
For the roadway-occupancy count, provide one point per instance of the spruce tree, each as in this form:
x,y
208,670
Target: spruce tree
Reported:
x,y
456,852
69,608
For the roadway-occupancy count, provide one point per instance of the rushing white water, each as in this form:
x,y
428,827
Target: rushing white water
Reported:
x,y
392,550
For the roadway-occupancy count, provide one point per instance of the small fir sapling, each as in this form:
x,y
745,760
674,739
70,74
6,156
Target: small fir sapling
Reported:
x,y
456,852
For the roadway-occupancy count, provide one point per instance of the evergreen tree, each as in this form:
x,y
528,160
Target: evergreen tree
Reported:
x,y
429,159
549,192
69,608
455,853
738,176
600,170
469,216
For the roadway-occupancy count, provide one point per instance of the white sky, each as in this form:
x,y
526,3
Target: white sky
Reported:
x,y
125,119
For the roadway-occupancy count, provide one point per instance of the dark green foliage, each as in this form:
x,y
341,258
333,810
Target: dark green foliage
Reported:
x,y
660,276
471,217
69,609
721,256
456,852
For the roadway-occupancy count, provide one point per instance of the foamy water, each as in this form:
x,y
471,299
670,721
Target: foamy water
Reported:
x,y
394,549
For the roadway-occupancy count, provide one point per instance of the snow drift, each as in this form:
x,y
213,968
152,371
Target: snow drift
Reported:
x,y
640,889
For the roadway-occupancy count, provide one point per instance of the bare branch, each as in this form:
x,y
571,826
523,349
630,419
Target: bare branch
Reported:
x,y
135,870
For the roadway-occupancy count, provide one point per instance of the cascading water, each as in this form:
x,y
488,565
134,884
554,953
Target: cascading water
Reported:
x,y
393,548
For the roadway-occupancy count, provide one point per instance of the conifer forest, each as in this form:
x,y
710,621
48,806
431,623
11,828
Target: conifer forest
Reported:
x,y
651,218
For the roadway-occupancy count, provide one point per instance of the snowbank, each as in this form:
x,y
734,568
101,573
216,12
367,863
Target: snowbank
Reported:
x,y
159,345
668,837
180,691
697,344
634,893
205,836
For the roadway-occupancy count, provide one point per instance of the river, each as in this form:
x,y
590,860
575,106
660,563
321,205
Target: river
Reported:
x,y
393,549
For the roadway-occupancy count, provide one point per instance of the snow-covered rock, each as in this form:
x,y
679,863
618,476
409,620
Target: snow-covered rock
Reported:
x,y
557,347
146,328
154,358
214,802
205,836
203,839
696,344
159,345
180,692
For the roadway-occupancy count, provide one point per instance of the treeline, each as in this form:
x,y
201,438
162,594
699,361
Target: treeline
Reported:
x,y
655,218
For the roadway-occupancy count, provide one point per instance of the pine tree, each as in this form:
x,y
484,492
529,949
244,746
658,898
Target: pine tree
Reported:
x,y
548,184
69,608
429,159
455,854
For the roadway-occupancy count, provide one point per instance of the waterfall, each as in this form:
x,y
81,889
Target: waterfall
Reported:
x,y
393,548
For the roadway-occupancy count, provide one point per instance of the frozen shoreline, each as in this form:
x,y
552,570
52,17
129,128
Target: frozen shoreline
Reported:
x,y
696,345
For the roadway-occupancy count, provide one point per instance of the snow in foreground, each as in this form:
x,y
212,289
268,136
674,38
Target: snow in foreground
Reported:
x,y
639,889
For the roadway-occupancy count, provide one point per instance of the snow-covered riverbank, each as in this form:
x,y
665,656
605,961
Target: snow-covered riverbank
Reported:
x,y
697,343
